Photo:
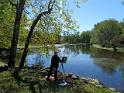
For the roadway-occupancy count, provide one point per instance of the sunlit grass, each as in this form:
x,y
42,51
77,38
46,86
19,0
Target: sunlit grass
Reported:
x,y
110,49
2,64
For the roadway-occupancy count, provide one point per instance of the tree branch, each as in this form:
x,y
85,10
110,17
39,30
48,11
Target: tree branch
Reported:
x,y
12,3
52,4
49,5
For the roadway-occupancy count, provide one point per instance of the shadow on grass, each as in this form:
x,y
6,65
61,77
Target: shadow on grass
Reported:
x,y
3,68
36,86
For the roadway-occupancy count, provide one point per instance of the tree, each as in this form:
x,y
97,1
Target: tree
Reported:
x,y
107,32
121,38
71,37
19,10
48,11
85,37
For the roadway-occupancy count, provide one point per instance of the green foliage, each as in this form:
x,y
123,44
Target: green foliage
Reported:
x,y
76,37
49,28
85,37
106,32
23,30
121,38
93,37
7,17
71,38
6,24
48,31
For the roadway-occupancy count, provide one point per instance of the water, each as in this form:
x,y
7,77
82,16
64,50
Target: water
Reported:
x,y
103,65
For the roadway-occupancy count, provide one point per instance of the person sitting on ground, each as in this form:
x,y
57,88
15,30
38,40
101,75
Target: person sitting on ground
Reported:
x,y
54,66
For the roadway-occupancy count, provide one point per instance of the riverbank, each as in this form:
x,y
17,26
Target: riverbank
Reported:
x,y
57,45
110,49
33,80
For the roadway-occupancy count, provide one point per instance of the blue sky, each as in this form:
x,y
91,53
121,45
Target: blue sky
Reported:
x,y
94,11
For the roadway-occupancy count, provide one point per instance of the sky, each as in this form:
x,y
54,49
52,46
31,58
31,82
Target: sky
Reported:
x,y
94,11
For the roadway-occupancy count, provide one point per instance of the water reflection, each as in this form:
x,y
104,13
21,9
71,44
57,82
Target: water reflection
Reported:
x,y
37,58
82,60
109,62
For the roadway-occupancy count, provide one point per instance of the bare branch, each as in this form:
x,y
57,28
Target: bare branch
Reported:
x,y
12,3
49,4
26,11
52,4
50,7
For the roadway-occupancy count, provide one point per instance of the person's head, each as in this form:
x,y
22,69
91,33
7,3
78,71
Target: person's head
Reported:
x,y
55,53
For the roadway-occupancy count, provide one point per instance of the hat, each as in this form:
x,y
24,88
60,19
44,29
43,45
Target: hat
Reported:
x,y
55,53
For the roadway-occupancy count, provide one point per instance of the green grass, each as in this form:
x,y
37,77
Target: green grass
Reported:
x,y
32,81
110,49
2,64
121,49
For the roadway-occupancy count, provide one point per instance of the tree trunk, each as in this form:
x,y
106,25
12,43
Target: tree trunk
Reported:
x,y
29,37
115,49
19,11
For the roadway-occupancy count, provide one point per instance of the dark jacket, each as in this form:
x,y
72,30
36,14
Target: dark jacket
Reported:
x,y
55,61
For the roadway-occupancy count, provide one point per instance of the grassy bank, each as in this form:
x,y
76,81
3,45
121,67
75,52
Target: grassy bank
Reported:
x,y
2,63
33,81
110,49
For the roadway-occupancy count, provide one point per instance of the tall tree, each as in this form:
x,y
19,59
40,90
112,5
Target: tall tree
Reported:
x,y
48,11
108,32
19,10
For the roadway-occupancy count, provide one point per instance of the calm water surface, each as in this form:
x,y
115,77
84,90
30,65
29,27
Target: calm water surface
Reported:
x,y
103,65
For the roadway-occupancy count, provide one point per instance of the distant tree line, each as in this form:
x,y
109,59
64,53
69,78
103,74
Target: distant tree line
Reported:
x,y
108,33
83,37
